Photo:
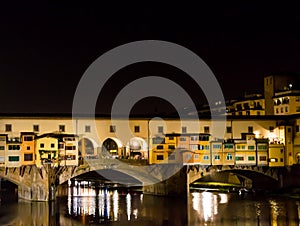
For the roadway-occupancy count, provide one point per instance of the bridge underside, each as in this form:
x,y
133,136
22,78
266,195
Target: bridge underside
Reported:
x,y
109,176
249,176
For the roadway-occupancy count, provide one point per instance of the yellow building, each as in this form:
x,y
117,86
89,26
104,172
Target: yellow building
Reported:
x,y
245,150
46,149
228,152
200,145
276,155
287,102
217,152
262,146
251,104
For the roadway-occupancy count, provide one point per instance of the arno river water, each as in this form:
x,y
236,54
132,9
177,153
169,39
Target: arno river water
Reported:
x,y
117,206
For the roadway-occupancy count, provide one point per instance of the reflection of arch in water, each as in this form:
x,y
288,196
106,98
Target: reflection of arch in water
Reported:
x,y
138,146
87,147
113,146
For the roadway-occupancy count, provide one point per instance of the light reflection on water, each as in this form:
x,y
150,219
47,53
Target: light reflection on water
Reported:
x,y
102,204
87,205
230,209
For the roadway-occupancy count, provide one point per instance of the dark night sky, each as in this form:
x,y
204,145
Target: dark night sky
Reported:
x,y
46,47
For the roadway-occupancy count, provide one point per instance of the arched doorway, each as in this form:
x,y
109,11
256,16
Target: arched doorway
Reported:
x,y
86,148
138,148
113,147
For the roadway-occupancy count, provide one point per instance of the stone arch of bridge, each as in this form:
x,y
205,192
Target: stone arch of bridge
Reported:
x,y
12,180
259,176
259,179
109,165
111,176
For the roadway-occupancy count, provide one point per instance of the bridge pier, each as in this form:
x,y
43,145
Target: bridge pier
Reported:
x,y
34,184
176,185
34,193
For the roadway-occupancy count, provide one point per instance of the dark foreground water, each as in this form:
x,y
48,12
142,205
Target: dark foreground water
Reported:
x,y
123,207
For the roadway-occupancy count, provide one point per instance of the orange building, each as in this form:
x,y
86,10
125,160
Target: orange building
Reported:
x,y
27,148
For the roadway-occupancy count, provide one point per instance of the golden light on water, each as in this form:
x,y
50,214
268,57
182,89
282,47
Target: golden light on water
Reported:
x,y
206,204
82,201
